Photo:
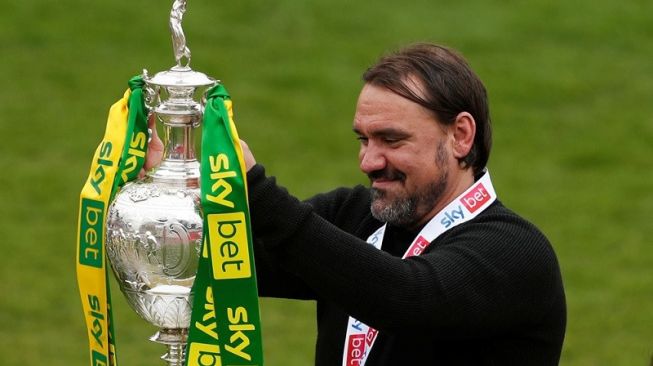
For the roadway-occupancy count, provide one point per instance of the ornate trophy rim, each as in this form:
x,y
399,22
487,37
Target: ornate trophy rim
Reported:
x,y
179,76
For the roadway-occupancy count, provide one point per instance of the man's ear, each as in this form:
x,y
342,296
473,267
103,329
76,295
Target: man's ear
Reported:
x,y
464,130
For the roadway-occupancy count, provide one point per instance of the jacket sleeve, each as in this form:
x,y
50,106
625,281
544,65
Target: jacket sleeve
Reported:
x,y
487,276
273,279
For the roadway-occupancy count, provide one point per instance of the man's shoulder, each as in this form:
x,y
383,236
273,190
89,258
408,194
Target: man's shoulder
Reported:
x,y
499,226
504,217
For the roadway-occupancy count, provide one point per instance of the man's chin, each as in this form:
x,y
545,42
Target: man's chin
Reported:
x,y
388,192
378,206
390,211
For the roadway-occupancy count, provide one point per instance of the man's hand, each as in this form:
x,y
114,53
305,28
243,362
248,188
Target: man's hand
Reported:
x,y
155,150
247,155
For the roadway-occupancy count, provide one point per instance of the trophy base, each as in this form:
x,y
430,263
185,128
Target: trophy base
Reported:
x,y
175,340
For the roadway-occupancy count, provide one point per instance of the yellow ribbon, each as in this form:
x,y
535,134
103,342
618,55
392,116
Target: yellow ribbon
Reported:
x,y
91,262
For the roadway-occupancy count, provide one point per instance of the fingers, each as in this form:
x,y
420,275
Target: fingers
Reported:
x,y
247,155
154,148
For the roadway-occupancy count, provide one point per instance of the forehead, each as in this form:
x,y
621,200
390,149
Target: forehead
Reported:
x,y
379,107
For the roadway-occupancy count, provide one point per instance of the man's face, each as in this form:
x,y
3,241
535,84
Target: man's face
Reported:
x,y
406,154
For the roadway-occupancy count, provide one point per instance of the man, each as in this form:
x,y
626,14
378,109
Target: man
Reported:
x,y
425,267
482,290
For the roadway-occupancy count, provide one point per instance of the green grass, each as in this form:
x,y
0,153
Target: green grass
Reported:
x,y
571,89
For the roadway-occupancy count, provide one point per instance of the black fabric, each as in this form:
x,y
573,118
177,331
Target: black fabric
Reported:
x,y
487,292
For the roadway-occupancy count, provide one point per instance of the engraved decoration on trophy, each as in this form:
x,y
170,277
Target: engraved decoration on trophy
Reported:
x,y
154,224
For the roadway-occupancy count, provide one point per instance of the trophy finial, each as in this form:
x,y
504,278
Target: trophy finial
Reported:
x,y
178,38
180,79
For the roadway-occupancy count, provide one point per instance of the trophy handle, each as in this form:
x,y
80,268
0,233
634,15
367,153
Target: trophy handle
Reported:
x,y
152,97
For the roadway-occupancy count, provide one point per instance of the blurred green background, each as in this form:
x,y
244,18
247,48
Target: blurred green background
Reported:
x,y
571,91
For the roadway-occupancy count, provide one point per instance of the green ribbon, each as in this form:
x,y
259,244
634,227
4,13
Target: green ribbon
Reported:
x,y
225,323
135,148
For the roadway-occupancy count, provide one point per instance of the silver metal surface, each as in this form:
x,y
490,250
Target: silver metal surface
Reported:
x,y
154,233
178,37
154,224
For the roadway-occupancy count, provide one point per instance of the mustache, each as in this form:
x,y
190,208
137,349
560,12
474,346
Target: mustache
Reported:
x,y
389,174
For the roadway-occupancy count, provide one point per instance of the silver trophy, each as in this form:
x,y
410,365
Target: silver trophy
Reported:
x,y
154,224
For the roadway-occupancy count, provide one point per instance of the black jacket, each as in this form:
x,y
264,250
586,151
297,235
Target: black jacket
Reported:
x,y
487,292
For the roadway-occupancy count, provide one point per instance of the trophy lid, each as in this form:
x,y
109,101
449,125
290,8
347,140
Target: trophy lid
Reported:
x,y
180,76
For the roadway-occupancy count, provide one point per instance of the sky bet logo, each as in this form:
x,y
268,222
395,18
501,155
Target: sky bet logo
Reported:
x,y
90,235
355,349
228,234
100,174
98,359
451,216
476,198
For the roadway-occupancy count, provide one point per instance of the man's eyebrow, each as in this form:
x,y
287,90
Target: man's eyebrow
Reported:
x,y
384,132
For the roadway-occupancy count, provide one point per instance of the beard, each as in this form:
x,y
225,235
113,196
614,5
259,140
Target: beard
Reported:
x,y
407,208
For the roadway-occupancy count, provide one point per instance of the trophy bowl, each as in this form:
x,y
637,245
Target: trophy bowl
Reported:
x,y
154,233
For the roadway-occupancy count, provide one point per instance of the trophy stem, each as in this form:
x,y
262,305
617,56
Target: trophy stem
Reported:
x,y
176,340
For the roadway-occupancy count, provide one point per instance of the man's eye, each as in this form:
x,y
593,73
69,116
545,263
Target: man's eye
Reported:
x,y
362,139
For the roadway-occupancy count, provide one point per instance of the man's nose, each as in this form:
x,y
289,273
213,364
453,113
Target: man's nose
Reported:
x,y
371,159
